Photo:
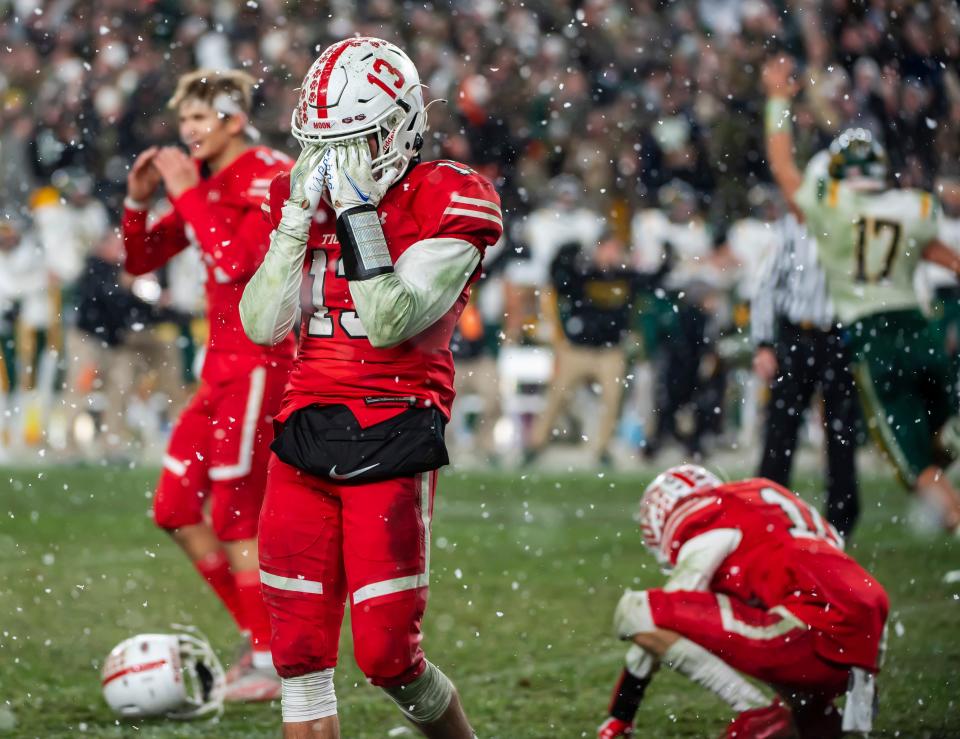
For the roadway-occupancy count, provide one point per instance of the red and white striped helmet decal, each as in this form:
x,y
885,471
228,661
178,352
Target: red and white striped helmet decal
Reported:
x,y
320,80
663,494
133,669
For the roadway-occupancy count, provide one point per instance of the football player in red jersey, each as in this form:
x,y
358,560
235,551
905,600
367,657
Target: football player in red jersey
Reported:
x,y
385,249
759,584
218,452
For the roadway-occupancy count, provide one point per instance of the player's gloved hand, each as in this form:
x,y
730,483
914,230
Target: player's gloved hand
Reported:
x,y
346,173
299,208
614,727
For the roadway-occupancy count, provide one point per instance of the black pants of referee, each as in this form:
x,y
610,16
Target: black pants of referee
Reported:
x,y
811,359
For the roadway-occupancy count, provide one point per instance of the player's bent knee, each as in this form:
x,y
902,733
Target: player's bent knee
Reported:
x,y
633,615
387,665
308,697
425,699
387,639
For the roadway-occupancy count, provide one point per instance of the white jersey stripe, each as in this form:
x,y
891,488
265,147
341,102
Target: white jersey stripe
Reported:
x,y
248,431
733,625
409,582
171,464
478,202
293,584
475,213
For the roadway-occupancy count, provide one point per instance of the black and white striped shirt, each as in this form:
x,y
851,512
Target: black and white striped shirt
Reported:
x,y
792,285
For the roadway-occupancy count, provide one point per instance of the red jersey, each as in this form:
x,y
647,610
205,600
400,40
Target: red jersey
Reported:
x,y
221,216
335,363
787,556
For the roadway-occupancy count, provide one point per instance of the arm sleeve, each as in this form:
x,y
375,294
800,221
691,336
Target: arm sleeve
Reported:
x,y
458,214
426,282
149,249
700,557
233,253
269,304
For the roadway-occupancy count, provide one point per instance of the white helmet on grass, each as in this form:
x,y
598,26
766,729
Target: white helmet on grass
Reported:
x,y
173,675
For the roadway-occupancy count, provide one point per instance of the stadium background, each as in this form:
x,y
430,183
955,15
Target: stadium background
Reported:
x,y
647,104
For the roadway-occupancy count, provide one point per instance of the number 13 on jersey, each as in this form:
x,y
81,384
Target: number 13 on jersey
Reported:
x,y
321,324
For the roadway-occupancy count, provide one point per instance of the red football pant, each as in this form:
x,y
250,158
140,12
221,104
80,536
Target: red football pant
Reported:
x,y
321,543
769,645
219,449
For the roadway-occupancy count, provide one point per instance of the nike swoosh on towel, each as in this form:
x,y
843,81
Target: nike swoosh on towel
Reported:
x,y
334,475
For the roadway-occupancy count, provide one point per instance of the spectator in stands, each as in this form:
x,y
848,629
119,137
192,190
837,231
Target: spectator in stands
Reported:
x,y
25,314
112,350
689,373
627,96
561,221
592,309
474,346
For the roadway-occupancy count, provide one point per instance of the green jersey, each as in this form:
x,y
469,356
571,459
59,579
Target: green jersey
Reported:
x,y
869,243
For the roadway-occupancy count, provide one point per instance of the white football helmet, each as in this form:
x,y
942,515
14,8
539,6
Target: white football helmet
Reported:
x,y
172,675
358,87
662,496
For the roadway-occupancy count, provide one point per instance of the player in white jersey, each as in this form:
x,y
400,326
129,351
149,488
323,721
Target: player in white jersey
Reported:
x,y
870,240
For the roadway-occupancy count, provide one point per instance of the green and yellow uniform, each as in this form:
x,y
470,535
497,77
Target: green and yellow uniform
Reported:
x,y
869,244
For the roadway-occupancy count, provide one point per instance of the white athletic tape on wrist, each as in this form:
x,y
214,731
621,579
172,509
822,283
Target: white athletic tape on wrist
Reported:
x,y
308,697
425,699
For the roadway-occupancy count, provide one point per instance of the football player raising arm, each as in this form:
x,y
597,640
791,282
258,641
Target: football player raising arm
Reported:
x,y
870,238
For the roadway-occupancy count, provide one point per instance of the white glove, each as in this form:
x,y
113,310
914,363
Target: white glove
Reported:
x,y
345,172
298,210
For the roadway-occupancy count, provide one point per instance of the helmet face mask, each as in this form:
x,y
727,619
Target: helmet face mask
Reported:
x,y
359,88
173,675
858,159
661,498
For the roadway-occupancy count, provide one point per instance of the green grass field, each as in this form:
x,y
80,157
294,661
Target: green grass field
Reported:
x,y
526,571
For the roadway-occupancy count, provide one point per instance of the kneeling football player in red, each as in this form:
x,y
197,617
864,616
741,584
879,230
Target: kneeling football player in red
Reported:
x,y
759,585
385,248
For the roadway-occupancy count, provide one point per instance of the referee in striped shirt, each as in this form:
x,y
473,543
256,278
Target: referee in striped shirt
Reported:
x,y
798,349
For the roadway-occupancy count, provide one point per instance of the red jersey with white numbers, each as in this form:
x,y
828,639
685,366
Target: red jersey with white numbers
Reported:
x,y
788,556
335,363
222,217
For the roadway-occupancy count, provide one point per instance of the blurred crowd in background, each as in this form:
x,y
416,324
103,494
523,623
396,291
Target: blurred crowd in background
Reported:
x,y
625,139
